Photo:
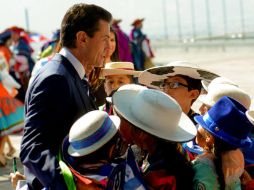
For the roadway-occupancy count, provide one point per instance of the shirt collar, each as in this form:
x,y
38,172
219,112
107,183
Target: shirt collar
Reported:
x,y
74,61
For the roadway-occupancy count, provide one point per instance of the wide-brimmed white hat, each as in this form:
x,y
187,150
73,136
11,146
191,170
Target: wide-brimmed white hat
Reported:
x,y
153,77
250,116
136,87
91,132
218,80
156,113
119,68
217,91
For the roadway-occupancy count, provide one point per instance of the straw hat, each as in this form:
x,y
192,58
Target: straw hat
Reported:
x,y
217,91
153,77
218,80
227,120
91,132
119,68
156,113
250,115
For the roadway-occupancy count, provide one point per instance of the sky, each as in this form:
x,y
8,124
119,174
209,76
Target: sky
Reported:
x,y
163,18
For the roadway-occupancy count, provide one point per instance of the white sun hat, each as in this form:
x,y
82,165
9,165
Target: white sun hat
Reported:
x,y
217,91
119,68
156,113
218,80
136,87
91,132
153,77
250,116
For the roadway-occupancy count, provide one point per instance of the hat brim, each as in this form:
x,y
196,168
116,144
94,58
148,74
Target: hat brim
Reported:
x,y
106,138
222,135
152,77
108,72
185,131
250,116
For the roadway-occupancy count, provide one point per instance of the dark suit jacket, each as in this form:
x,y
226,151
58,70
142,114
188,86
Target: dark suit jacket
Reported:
x,y
54,101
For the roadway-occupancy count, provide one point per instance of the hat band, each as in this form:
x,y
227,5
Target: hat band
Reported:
x,y
220,133
88,141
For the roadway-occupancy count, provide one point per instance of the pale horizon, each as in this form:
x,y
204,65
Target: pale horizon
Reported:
x,y
161,16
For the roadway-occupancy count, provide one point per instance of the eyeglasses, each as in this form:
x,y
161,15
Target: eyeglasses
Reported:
x,y
172,85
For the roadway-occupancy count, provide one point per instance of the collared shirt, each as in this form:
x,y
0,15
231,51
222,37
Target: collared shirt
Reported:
x,y
74,61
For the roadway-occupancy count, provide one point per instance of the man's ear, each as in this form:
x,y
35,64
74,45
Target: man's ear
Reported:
x,y
194,94
81,37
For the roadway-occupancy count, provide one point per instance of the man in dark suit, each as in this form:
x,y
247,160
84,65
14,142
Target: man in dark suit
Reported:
x,y
58,96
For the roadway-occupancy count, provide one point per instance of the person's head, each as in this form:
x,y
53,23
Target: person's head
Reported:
x,y
185,90
85,31
6,38
112,51
155,114
138,23
92,139
16,33
179,79
226,120
117,74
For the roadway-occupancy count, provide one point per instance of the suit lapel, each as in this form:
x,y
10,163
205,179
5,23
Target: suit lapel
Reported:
x,y
87,101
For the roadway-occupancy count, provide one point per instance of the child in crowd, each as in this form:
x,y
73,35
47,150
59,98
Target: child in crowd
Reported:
x,y
91,147
156,124
116,74
226,129
88,152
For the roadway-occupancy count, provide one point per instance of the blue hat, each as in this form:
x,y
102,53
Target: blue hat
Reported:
x,y
227,120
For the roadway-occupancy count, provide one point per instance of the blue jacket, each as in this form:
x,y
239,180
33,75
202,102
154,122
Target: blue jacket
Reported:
x,y
55,99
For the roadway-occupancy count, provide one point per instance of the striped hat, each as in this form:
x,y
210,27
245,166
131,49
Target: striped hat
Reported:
x,y
91,132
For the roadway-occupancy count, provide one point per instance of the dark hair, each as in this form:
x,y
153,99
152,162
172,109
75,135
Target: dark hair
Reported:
x,y
115,55
81,17
5,38
176,164
193,84
170,158
220,146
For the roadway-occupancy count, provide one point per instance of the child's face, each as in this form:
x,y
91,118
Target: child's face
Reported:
x,y
113,82
204,139
203,109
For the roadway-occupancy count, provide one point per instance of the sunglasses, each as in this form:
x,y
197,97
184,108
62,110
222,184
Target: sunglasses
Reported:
x,y
172,85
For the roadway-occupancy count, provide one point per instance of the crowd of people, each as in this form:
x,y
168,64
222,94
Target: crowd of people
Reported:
x,y
99,115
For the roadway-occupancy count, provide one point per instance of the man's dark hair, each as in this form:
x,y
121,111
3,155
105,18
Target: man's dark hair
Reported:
x,y
81,17
193,84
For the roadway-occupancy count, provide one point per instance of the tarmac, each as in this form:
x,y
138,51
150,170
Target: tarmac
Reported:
x,y
235,63
5,183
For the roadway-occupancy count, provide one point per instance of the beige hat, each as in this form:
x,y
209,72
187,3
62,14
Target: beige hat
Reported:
x,y
218,80
250,115
156,113
91,132
217,91
119,68
153,77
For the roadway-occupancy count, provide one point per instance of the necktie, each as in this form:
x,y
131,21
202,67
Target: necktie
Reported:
x,y
88,90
